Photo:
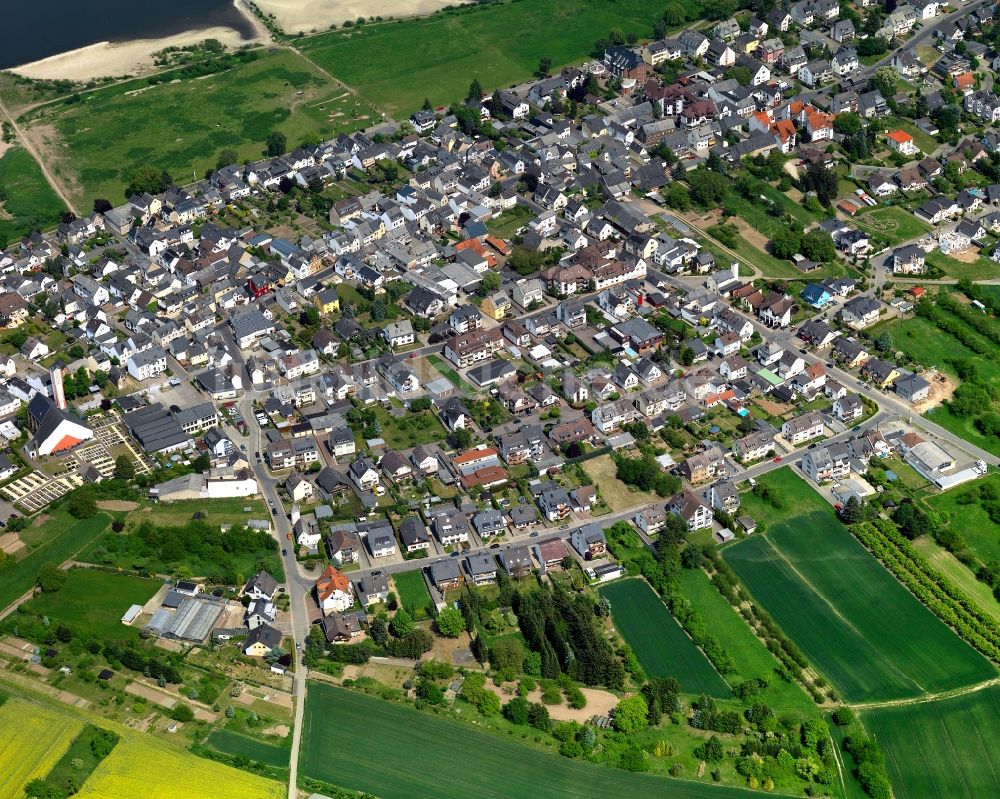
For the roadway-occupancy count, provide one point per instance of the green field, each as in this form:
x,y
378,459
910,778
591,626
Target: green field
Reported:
x,y
56,541
981,534
232,743
413,593
27,202
855,623
96,601
748,652
893,224
397,752
397,64
95,143
663,648
216,511
960,574
942,749
980,269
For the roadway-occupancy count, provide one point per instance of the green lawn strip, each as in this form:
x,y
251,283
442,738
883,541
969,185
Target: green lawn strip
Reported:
x,y
413,592
964,427
980,269
27,201
77,763
852,619
182,126
927,144
959,574
410,429
215,511
63,539
95,600
454,377
398,752
852,788
945,748
893,224
233,743
507,224
662,647
796,495
397,64
748,652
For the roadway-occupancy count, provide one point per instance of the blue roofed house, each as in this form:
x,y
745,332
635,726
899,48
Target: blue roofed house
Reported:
x,y
816,295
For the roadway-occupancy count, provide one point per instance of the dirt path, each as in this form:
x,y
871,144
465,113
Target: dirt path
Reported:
x,y
921,700
599,703
29,145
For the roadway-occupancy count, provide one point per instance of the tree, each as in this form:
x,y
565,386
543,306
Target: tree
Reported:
x,y
226,158
708,189
460,438
507,654
489,283
516,710
378,630
147,180
677,197
786,242
851,512
475,94
544,65
822,181
401,624
427,105
276,143
631,715
81,504
50,578
450,622
124,468
885,80
884,341
847,123
686,355
674,15
741,74
817,245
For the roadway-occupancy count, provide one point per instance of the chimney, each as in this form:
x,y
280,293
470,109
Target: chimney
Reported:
x,y
58,394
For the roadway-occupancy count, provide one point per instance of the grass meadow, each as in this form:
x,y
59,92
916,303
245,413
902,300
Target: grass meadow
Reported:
x,y
397,64
412,592
866,633
232,743
981,534
397,752
945,748
27,201
662,647
95,142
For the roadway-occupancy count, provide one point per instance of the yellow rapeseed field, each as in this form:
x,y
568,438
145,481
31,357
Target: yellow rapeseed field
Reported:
x,y
142,767
32,740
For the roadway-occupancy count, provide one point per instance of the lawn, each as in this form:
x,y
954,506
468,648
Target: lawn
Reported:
x,y
981,534
448,372
507,224
407,431
27,202
32,740
96,601
868,635
412,592
232,743
945,748
216,512
142,766
748,652
893,224
959,574
95,142
614,492
397,752
663,648
979,269
397,64
58,540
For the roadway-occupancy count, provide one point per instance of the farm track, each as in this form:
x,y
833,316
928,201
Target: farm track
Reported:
x,y
29,145
925,698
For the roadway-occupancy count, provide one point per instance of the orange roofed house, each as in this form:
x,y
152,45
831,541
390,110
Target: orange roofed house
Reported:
x,y
783,130
333,591
901,142
817,125
480,467
55,430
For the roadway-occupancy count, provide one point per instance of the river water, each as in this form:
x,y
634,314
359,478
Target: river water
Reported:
x,y
36,29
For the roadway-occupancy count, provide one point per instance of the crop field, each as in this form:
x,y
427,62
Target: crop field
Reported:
x,y
95,600
32,740
663,648
141,766
232,743
945,748
95,142
855,623
27,202
412,592
748,652
63,538
397,64
398,752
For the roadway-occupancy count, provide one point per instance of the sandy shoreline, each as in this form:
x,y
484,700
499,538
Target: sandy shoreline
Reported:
x,y
309,15
107,59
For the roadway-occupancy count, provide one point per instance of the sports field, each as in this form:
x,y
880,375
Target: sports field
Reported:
x,y
413,593
232,743
946,748
140,766
397,752
663,649
396,65
748,652
27,202
182,127
855,623
32,739
96,601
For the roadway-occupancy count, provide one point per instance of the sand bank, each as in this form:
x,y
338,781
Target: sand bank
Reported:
x,y
308,15
107,59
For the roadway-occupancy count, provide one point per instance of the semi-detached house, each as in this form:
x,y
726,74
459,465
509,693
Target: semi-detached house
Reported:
x,y
477,345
